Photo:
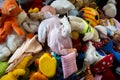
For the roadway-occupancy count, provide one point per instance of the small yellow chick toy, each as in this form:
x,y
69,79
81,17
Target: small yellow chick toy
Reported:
x,y
13,75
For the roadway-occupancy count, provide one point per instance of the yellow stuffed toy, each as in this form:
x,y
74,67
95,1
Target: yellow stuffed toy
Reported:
x,y
18,70
47,65
21,64
13,75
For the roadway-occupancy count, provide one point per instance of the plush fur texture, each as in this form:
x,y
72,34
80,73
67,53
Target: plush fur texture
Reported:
x,y
11,8
80,25
91,55
31,23
9,11
13,75
110,9
61,7
57,35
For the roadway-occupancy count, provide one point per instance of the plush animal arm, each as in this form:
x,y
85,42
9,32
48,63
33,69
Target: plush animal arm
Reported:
x,y
13,75
15,26
88,36
30,25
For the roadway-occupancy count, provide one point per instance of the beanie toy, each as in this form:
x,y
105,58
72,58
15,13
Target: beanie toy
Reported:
x,y
80,25
110,8
58,35
47,65
61,7
91,15
91,55
9,13
104,64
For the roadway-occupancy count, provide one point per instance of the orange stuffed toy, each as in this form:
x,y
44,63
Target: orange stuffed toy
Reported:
x,y
11,8
8,19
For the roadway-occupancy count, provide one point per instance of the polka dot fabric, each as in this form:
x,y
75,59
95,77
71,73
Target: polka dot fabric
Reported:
x,y
103,64
100,44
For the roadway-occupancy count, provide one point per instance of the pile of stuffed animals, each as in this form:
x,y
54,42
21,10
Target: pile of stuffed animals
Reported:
x,y
59,40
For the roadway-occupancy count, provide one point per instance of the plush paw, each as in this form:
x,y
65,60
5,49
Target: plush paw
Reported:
x,y
4,53
47,65
88,36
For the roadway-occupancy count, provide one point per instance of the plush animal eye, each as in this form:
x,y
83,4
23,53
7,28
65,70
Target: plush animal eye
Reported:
x,y
87,21
96,17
